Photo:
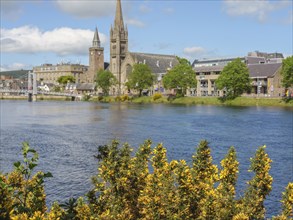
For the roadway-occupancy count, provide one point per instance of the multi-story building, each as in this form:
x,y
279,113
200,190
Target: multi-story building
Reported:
x,y
264,71
14,80
49,73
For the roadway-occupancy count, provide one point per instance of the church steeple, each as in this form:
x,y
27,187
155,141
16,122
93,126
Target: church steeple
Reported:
x,y
119,24
118,45
96,40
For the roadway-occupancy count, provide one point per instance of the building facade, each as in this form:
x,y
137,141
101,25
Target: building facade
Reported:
x,y
122,60
264,74
96,59
49,73
118,46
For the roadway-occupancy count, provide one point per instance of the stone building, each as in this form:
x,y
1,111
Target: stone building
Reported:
x,y
122,61
266,79
264,73
96,59
14,80
49,73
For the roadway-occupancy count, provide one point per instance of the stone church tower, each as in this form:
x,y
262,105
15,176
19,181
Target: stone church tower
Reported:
x,y
118,44
96,58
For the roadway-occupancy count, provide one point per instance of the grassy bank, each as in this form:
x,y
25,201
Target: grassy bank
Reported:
x,y
240,101
39,98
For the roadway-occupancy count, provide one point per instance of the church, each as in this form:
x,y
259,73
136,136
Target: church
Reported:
x,y
121,59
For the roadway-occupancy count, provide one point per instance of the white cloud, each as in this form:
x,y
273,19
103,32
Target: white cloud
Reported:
x,y
61,41
193,51
255,8
135,22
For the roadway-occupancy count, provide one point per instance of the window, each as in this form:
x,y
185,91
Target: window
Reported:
x,y
158,63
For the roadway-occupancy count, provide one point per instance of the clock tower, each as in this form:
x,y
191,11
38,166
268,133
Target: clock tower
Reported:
x,y
96,58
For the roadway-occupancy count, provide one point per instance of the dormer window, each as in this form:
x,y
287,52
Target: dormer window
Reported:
x,y
158,63
171,65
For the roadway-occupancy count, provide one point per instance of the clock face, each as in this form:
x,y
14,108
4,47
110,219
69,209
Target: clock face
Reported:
x,y
92,53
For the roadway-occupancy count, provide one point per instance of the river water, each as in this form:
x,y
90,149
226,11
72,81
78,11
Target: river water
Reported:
x,y
66,136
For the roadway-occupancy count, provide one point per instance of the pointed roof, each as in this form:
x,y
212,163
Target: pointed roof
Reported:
x,y
158,63
119,17
96,40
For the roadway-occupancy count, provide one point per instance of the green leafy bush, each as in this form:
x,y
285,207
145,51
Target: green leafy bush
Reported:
x,y
157,96
145,185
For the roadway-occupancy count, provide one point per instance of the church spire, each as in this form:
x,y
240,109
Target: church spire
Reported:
x,y
96,40
119,17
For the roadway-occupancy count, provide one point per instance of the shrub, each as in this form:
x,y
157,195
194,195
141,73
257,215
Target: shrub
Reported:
x,y
145,185
171,97
157,96
117,99
124,98
100,98
21,192
86,97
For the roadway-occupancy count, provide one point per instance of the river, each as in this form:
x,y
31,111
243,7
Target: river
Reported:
x,y
66,136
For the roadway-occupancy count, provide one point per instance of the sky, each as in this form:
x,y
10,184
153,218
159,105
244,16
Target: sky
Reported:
x,y
52,31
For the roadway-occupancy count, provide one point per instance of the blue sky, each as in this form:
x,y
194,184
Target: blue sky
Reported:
x,y
50,31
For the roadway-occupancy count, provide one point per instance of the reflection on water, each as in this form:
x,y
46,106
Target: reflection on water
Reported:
x,y
66,135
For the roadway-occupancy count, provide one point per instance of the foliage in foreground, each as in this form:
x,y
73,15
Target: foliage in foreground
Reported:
x,y
145,185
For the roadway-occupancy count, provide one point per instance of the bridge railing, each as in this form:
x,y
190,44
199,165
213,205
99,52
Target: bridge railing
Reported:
x,y
39,92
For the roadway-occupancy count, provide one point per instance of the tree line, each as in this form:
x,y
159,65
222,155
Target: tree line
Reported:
x,y
234,78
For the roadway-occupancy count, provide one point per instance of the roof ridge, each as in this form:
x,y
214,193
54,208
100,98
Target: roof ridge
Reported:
x,y
153,54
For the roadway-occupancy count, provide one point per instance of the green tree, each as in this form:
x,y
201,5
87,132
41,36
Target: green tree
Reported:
x,y
287,72
105,79
65,79
181,77
140,78
234,79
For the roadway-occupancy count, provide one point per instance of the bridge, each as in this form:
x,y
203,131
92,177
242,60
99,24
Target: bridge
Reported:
x,y
38,92
32,91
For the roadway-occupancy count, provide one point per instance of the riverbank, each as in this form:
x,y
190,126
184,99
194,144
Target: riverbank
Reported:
x,y
240,101
39,98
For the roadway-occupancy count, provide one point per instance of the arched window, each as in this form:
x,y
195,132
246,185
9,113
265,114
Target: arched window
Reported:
x,y
128,70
